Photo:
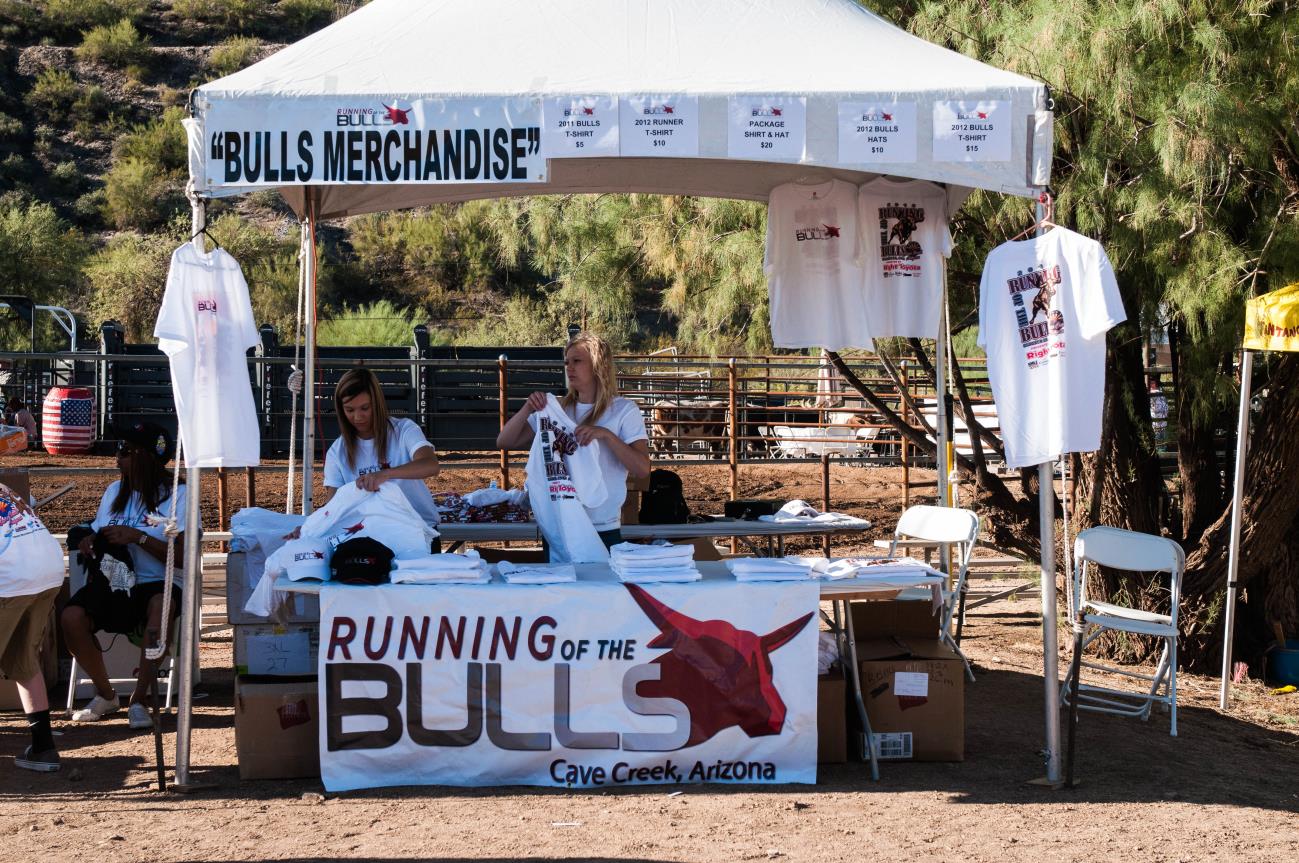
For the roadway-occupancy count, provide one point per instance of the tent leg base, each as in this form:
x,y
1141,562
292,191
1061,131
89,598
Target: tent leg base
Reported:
x,y
1050,784
191,787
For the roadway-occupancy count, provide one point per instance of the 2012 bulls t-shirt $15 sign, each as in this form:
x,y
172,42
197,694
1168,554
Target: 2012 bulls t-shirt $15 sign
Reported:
x,y
1045,305
813,267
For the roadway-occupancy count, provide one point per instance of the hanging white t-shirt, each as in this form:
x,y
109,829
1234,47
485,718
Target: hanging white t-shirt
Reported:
x,y
1045,305
136,515
206,327
904,240
404,440
624,419
813,267
564,484
31,560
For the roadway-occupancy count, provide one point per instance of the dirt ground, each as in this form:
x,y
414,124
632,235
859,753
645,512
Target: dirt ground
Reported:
x,y
1224,789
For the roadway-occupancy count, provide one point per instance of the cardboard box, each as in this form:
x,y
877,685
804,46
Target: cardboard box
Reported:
x,y
914,689
301,608
276,650
831,720
277,727
914,618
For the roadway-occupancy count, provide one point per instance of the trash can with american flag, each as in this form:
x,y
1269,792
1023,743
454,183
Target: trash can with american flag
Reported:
x,y
68,420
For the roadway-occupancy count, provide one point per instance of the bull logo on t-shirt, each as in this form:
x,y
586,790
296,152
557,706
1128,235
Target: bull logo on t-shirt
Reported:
x,y
1033,334
898,249
825,232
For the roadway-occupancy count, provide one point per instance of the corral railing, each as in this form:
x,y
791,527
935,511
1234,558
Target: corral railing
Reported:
x,y
731,409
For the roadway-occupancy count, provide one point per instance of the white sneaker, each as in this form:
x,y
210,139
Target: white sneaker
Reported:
x,y
97,709
137,717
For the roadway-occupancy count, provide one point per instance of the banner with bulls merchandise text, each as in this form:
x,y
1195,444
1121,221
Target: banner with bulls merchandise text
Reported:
x,y
342,140
591,685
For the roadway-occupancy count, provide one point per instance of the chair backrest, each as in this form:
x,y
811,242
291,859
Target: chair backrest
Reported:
x,y
938,524
1128,550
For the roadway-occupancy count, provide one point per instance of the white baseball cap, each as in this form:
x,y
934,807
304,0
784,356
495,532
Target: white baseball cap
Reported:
x,y
308,557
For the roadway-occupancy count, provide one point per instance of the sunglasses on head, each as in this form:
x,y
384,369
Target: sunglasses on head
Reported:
x,y
124,448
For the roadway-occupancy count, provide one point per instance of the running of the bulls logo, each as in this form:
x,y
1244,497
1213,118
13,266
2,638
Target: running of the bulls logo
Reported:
x,y
1034,334
722,674
825,232
898,223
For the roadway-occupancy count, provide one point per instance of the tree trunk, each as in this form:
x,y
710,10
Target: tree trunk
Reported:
x,y
1198,467
1269,563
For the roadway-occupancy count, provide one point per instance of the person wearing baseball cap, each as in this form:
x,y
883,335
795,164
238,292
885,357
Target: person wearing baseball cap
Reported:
x,y
124,550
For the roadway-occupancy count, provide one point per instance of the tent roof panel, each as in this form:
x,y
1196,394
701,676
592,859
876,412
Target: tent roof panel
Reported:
x,y
563,47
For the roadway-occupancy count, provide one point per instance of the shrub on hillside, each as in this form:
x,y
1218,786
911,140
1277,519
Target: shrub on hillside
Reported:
x,y
53,92
71,16
141,195
19,21
40,254
233,54
11,128
379,323
161,141
235,15
58,100
118,45
304,16
127,280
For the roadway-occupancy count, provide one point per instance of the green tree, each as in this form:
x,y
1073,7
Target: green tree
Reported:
x,y
380,323
1176,148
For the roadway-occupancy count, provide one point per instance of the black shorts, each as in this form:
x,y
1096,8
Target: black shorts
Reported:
x,y
120,612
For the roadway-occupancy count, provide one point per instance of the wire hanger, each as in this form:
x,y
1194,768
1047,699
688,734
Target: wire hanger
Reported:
x,y
204,232
1048,210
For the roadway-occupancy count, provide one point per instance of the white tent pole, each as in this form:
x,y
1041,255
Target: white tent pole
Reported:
x,y
940,395
192,594
1237,501
1050,655
309,316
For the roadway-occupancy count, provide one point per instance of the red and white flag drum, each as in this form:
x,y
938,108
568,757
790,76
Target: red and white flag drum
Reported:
x,y
590,685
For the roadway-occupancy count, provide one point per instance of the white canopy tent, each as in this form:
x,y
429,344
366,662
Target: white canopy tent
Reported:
x,y
407,103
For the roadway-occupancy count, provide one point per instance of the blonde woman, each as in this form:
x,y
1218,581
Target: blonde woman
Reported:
x,y
373,448
592,401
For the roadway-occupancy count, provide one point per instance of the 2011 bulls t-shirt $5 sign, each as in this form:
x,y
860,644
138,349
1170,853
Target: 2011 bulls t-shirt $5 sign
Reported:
x,y
1045,305
813,267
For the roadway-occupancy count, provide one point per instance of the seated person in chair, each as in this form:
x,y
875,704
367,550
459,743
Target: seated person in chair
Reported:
x,y
124,551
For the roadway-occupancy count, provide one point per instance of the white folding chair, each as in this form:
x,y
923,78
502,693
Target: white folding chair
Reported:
x,y
1132,552
788,444
124,684
944,525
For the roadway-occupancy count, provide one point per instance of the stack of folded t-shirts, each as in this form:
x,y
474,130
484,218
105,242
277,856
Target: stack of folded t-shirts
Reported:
x,y
768,569
646,564
467,568
536,573
869,567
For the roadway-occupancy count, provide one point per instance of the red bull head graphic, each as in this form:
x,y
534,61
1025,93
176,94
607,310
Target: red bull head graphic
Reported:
x,y
722,674
398,116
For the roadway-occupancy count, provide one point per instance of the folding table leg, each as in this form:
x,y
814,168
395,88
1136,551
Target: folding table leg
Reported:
x,y
846,631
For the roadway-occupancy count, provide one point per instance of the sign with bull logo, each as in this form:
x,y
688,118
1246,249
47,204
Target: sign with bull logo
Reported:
x,y
593,685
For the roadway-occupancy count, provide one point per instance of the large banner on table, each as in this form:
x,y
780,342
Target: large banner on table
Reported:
x,y
582,685
348,139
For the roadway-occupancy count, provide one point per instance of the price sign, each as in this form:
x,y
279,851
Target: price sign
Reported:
x,y
972,131
660,125
573,127
767,127
874,132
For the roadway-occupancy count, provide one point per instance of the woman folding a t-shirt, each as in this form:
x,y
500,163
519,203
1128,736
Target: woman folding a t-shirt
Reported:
x,y
373,448
592,401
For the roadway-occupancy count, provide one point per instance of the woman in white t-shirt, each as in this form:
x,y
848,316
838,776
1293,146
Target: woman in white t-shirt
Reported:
x,y
592,401
373,448
124,550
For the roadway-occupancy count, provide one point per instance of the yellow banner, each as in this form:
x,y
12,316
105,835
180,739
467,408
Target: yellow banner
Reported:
x,y
1272,321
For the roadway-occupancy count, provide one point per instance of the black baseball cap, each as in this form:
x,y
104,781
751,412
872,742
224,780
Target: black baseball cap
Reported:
x,y
361,561
148,436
